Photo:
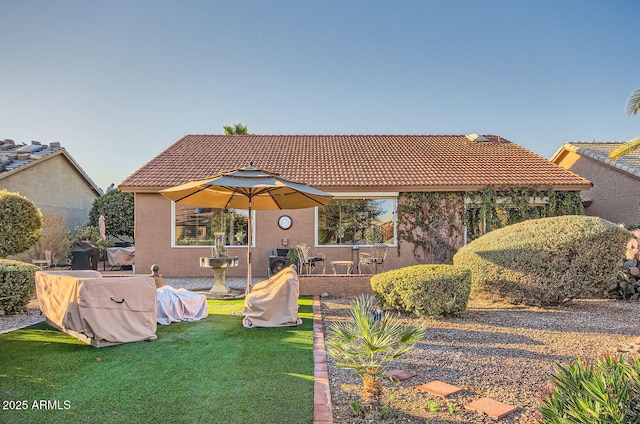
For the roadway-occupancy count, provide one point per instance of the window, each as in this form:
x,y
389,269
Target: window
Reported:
x,y
195,226
347,221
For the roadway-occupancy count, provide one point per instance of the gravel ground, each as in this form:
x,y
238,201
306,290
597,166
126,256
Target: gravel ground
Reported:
x,y
30,316
500,351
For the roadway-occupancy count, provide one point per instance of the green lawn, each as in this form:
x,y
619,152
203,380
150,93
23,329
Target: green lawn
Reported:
x,y
211,371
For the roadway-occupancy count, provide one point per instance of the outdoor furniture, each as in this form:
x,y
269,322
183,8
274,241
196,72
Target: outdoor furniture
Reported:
x,y
180,305
376,257
43,263
96,310
308,258
121,256
273,302
347,264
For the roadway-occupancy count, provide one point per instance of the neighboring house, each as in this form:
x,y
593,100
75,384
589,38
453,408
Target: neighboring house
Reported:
x,y
368,175
615,195
49,177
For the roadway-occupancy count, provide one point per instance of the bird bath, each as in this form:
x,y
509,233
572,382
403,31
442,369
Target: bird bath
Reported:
x,y
219,263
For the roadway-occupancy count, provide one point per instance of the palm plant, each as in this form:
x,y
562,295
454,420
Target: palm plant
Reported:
x,y
235,129
369,343
632,108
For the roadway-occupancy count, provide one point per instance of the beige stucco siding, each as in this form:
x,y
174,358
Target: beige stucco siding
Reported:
x,y
55,186
615,194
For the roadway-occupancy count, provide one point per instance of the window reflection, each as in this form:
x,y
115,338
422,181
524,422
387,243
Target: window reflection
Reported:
x,y
357,221
195,226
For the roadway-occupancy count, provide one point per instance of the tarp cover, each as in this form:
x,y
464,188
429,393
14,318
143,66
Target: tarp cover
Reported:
x,y
121,256
180,305
273,302
117,309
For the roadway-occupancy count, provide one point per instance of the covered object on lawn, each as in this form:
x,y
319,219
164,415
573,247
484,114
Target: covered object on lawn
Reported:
x,y
175,305
273,302
100,311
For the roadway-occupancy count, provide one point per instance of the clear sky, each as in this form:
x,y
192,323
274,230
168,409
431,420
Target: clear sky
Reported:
x,y
116,82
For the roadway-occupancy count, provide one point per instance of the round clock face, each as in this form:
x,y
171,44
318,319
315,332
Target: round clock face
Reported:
x,y
284,222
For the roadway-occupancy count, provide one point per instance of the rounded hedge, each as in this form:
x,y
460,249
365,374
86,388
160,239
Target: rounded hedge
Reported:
x,y
546,261
20,223
433,290
17,285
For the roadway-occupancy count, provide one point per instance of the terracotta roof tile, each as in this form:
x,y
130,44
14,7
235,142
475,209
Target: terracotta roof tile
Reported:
x,y
429,162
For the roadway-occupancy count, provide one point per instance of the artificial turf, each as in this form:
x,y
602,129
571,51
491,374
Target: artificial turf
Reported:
x,y
210,371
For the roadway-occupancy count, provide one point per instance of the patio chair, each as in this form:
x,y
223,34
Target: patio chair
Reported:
x,y
309,259
376,257
44,263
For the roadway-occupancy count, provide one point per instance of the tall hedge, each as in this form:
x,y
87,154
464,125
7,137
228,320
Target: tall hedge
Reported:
x,y
118,210
17,285
20,223
546,261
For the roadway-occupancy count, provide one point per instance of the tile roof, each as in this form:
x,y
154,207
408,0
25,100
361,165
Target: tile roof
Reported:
x,y
16,157
357,162
599,151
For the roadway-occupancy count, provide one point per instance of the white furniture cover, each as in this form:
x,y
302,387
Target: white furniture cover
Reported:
x,y
175,305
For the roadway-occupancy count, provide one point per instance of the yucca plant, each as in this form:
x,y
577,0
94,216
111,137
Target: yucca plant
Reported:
x,y
606,390
368,343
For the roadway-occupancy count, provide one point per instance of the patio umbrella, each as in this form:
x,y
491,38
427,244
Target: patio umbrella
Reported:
x,y
248,188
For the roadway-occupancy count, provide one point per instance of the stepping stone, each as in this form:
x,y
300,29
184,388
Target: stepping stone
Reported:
x,y
440,388
400,375
491,407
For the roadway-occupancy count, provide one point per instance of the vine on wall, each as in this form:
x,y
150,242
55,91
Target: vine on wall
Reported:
x,y
434,222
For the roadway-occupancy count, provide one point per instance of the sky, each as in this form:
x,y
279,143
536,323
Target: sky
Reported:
x,y
116,82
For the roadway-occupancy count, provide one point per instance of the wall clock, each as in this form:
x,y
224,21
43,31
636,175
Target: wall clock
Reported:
x,y
285,222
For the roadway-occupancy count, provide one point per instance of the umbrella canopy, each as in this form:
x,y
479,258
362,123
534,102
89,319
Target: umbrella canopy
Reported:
x,y
248,188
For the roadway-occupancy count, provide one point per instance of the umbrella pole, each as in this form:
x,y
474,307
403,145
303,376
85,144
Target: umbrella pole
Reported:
x,y
249,239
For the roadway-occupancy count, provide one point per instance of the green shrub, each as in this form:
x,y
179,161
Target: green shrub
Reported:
x,y
434,290
20,223
17,285
545,261
606,390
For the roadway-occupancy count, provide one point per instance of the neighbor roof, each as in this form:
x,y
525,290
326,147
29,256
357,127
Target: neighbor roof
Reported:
x,y
599,151
17,157
358,162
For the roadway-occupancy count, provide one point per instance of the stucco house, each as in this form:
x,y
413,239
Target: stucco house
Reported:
x,y
615,195
372,178
47,175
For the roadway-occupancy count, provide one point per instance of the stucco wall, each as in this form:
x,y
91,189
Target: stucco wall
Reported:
x,y
615,194
153,242
54,186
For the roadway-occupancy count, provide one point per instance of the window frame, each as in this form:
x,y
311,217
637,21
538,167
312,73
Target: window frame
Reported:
x,y
226,246
361,195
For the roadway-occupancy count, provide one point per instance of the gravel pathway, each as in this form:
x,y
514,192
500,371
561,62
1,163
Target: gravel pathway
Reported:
x,y
499,351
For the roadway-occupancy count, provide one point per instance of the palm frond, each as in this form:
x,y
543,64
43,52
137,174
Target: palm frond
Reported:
x,y
625,148
633,103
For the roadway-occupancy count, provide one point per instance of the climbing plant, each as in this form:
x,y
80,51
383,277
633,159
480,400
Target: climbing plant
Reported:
x,y
434,222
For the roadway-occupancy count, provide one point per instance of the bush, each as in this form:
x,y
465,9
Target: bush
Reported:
x,y
118,211
20,223
434,290
627,285
54,239
545,261
17,285
604,391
